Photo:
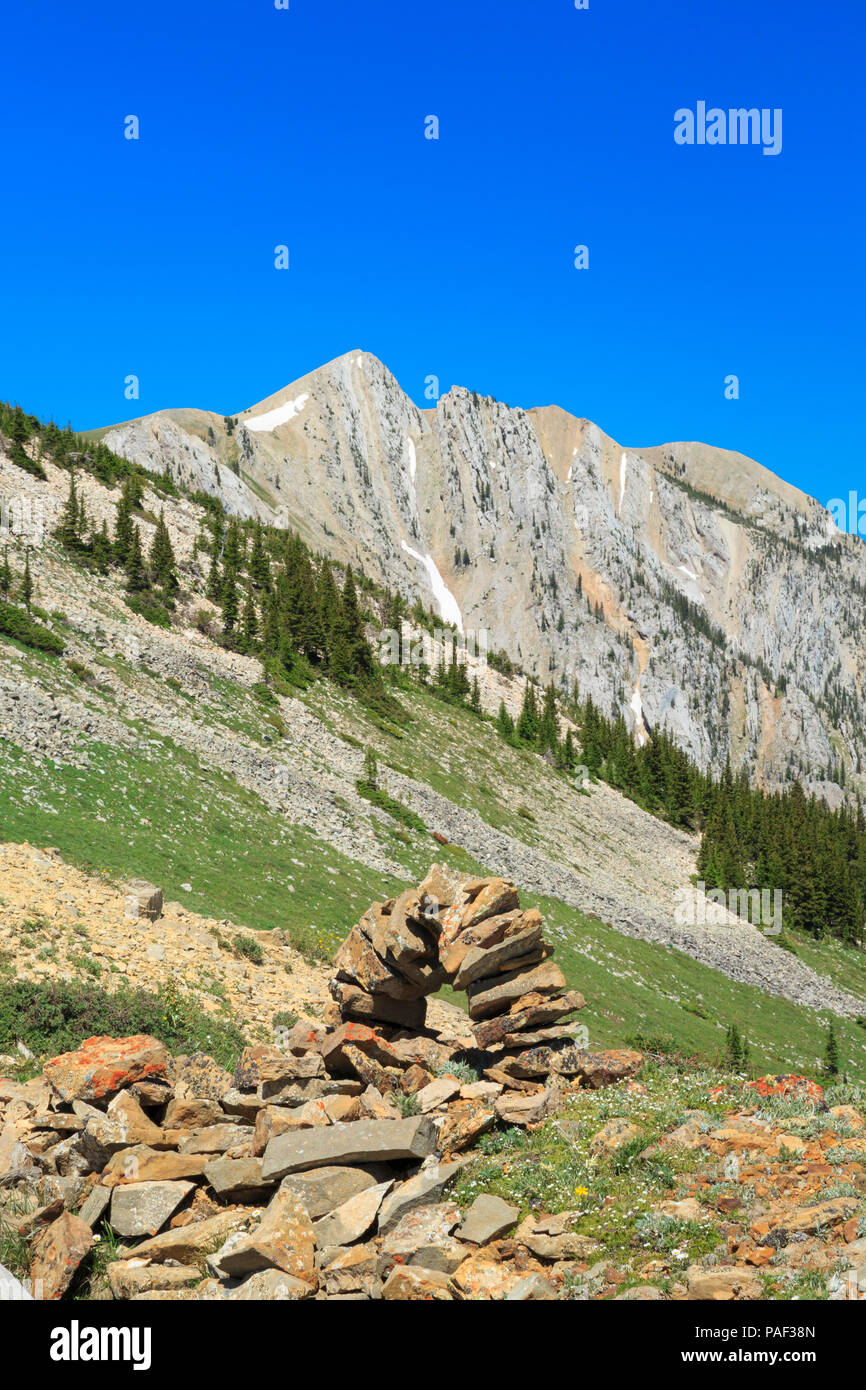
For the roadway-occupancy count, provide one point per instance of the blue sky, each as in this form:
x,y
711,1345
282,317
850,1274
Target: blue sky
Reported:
x,y
451,257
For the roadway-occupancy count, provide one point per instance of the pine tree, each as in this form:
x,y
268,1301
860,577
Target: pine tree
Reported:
x,y
548,729
371,769
136,574
229,600
359,655
69,528
504,722
162,562
5,575
528,723
123,524
259,566
27,582
475,698
249,621
832,1060
214,585
102,550
569,757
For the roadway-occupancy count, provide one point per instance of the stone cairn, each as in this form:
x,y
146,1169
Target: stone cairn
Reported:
x,y
319,1168
466,932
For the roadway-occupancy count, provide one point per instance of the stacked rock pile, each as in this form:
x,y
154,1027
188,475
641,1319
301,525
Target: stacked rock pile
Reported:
x,y
470,933
319,1167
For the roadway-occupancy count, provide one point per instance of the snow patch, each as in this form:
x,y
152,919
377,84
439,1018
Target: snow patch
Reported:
x,y
281,415
413,461
690,574
636,704
449,609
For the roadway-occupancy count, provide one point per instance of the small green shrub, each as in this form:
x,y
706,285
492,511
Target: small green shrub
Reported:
x,y
15,623
249,948
284,1019
386,803
147,606
57,1016
264,694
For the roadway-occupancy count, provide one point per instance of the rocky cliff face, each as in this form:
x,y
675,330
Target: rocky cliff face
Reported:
x,y
683,586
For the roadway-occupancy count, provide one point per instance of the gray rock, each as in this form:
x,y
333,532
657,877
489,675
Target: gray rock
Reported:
x,y
424,1189
352,1220
143,1208
95,1205
324,1189
359,1142
488,1219
238,1179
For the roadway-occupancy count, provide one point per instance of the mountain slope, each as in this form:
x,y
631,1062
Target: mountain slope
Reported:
x,y
683,586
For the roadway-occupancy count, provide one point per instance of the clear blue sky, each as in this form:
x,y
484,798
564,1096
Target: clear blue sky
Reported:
x,y
451,257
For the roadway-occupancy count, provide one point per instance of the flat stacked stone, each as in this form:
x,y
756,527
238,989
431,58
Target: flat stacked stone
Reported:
x,y
469,932
389,962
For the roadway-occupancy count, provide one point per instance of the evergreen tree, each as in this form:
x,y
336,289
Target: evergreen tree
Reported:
x,y
351,657
123,523
102,550
832,1060
371,769
548,729
162,562
136,574
504,722
259,566
214,580
229,600
27,582
5,575
528,723
69,528
249,622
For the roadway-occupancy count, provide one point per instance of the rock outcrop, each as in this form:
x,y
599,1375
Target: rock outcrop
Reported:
x,y
542,530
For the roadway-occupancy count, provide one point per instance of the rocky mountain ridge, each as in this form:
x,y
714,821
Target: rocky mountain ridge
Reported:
x,y
683,586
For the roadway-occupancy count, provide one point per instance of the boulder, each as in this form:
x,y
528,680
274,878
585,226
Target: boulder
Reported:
x,y
424,1189
721,1284
352,1219
487,1219
102,1066
283,1239
417,1236
413,1284
497,994
324,1189
56,1254
188,1244
126,1278
528,1016
143,1208
364,1141
612,1136
237,1179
